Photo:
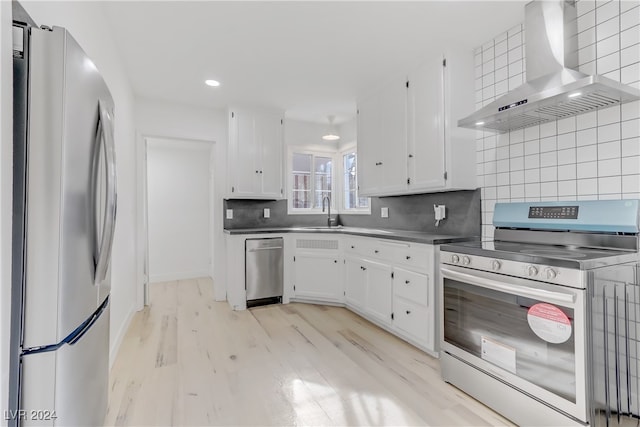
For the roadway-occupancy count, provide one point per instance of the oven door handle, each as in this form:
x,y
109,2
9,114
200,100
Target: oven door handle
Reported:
x,y
480,278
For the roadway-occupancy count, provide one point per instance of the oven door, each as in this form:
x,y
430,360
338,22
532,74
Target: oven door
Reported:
x,y
527,334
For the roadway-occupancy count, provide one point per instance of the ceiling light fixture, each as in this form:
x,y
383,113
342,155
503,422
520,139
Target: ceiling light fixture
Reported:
x,y
331,135
212,83
479,123
574,94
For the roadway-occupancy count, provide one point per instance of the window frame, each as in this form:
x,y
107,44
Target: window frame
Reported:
x,y
344,150
314,152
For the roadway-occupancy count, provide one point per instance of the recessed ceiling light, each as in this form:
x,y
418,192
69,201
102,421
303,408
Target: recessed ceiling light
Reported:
x,y
212,83
574,94
479,123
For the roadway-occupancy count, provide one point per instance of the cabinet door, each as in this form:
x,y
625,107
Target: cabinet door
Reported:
x,y
379,291
243,154
318,277
382,139
426,126
269,137
355,283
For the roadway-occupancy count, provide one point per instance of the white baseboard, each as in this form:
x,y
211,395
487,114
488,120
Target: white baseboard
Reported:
x,y
113,351
185,275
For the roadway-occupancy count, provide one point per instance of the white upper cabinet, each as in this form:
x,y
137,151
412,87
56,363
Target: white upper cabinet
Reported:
x,y
407,128
382,123
255,154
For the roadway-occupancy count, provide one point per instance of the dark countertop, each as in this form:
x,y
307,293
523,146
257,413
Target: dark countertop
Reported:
x,y
403,235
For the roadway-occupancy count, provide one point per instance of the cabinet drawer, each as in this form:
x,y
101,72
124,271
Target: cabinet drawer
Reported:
x,y
415,256
413,320
387,250
410,285
357,246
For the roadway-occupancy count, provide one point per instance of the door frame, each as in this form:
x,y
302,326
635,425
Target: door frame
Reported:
x,y
142,146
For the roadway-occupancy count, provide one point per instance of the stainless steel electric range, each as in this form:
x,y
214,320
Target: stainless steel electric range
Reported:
x,y
543,322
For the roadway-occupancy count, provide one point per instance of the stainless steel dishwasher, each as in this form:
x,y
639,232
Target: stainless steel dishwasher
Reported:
x,y
264,271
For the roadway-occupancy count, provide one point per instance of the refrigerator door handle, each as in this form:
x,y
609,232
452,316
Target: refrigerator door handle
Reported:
x,y
105,137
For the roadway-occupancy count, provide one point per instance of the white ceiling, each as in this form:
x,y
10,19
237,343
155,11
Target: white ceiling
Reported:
x,y
310,59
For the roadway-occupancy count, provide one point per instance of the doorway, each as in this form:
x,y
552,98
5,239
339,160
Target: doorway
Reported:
x,y
178,210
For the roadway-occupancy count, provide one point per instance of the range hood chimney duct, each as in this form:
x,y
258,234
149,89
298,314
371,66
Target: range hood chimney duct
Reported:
x,y
554,88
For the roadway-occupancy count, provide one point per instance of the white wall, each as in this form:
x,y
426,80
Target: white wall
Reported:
x,y
167,120
85,21
586,157
6,144
179,194
308,134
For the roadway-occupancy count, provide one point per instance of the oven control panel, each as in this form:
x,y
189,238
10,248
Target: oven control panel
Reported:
x,y
574,278
553,212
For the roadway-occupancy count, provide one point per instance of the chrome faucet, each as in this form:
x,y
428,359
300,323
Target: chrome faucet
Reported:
x,y
328,199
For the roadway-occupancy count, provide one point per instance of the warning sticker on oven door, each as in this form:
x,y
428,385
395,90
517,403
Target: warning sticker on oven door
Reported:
x,y
549,323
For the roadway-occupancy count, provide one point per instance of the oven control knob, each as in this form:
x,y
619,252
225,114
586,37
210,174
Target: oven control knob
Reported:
x,y
466,260
455,259
495,264
532,270
550,273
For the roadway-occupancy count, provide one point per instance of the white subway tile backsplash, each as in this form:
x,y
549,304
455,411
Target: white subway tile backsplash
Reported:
x,y
631,165
567,125
631,183
630,36
567,172
609,167
630,55
608,63
630,73
626,5
631,147
566,140
591,156
607,29
585,6
630,18
609,150
587,170
567,188
608,46
548,144
607,11
609,115
587,153
631,128
549,174
549,189
610,185
548,129
567,156
609,132
587,54
588,186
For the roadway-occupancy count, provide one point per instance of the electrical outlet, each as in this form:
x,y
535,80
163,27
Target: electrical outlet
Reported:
x,y
267,213
229,213
384,212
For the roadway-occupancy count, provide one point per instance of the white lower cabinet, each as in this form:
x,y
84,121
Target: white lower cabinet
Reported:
x,y
355,283
378,290
318,276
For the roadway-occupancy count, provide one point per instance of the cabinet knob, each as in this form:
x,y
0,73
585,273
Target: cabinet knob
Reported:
x,y
411,156
376,251
335,261
260,171
408,311
407,282
364,268
408,257
378,163
256,171
353,247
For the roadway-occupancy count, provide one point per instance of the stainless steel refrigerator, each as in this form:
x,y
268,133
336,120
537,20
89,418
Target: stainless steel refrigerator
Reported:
x,y
64,212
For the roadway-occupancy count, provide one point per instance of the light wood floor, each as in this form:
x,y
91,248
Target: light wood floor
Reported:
x,y
188,360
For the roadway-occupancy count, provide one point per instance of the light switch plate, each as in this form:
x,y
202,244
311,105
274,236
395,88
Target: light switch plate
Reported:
x,y
267,213
229,213
384,212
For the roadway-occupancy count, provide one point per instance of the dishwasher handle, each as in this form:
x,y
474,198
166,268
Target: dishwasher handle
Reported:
x,y
268,248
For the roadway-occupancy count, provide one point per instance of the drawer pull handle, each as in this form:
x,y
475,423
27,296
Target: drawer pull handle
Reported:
x,y
408,257
408,311
407,282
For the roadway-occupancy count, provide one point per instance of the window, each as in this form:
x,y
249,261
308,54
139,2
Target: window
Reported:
x,y
312,180
350,184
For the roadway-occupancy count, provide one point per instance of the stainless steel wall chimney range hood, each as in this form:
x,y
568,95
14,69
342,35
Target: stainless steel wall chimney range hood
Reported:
x,y
554,88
